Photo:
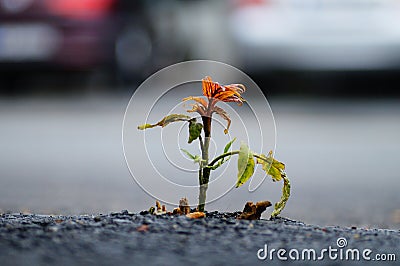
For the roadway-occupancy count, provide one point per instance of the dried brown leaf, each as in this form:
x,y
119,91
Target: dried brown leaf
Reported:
x,y
222,113
249,207
177,211
253,211
158,206
196,215
159,210
184,206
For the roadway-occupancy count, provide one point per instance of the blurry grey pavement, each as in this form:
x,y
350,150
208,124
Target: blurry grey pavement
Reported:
x,y
65,156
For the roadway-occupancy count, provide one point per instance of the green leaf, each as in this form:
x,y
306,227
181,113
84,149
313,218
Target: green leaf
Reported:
x,y
165,121
245,164
223,160
276,170
271,166
280,205
280,166
194,130
228,146
195,158
198,159
275,173
173,118
191,156
244,153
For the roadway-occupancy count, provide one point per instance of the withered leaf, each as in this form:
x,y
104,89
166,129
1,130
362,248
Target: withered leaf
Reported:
x,y
271,166
165,121
280,205
196,99
222,113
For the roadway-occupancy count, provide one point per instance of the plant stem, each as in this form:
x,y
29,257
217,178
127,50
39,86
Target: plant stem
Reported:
x,y
201,144
201,168
204,173
230,153
216,159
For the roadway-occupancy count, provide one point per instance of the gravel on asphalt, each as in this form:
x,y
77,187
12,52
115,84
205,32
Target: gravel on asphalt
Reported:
x,y
125,238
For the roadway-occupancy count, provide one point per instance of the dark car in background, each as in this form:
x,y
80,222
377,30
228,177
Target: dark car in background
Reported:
x,y
46,36
72,33
67,33
84,43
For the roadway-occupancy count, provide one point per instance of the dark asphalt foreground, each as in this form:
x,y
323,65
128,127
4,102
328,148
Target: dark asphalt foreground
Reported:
x,y
142,239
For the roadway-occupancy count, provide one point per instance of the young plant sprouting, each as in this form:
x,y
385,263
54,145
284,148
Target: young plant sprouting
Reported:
x,y
214,92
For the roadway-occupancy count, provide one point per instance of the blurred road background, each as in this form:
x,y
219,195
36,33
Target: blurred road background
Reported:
x,y
329,69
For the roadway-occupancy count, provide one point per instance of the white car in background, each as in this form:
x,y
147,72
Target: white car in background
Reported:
x,y
316,35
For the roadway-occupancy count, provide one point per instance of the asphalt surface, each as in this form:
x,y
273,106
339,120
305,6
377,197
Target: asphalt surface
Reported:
x,y
64,156
219,239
